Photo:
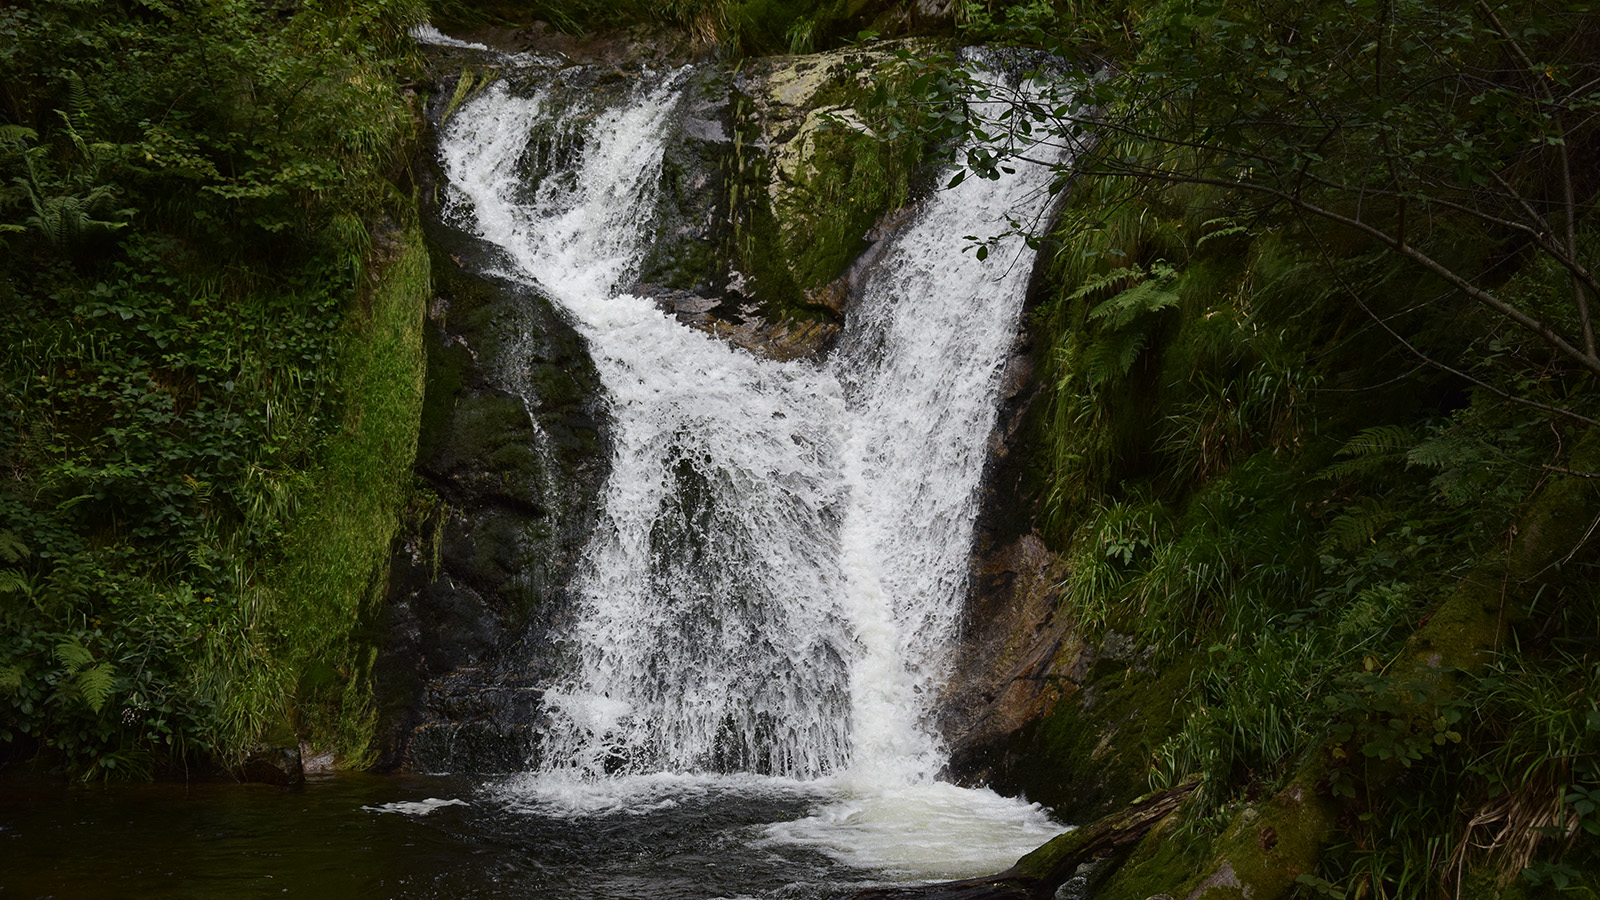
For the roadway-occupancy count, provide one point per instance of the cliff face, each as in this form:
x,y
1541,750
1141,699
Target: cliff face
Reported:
x,y
774,192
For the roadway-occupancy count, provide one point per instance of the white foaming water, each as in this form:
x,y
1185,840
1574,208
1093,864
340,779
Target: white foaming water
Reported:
x,y
781,557
921,360
708,636
921,831
427,34
565,797
414,807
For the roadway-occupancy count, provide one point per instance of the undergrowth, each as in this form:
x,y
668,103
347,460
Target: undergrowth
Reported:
x,y
1240,462
201,413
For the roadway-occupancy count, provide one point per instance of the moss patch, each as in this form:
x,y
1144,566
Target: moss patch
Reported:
x,y
1091,753
336,558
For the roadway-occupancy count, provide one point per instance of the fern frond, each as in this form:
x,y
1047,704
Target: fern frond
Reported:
x,y
1357,528
12,549
1116,278
17,134
1121,310
95,684
1111,356
1358,467
12,581
1451,449
1379,439
77,96
1147,296
1225,227
73,655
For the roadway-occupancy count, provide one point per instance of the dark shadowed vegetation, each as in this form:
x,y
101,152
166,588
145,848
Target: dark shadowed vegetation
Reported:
x,y
208,371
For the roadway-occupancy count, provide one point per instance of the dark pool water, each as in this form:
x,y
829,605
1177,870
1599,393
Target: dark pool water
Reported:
x,y
332,839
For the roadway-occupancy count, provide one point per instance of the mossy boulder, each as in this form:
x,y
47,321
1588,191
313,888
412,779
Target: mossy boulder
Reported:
x,y
1087,724
818,176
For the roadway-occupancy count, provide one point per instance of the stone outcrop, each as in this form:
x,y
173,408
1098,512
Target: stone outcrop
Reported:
x,y
510,461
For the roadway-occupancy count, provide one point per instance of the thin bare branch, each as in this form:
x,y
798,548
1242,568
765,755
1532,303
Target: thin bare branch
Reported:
x,y
1355,296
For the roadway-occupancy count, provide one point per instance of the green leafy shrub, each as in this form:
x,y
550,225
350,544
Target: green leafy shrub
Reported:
x,y
190,258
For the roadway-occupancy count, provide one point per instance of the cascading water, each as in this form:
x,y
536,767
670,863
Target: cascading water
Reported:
x,y
920,360
708,637
777,573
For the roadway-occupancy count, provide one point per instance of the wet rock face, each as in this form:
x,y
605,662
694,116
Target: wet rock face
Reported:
x,y
688,249
277,764
510,461
512,454
1034,706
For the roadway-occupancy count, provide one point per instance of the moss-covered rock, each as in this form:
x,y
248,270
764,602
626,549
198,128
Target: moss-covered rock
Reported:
x,y
819,177
510,459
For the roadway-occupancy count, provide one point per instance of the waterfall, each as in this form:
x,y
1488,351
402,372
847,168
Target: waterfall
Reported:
x,y
778,572
708,636
920,362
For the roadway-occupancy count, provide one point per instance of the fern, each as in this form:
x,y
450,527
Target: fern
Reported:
x,y
17,134
1451,450
13,581
12,549
1111,356
1226,227
77,96
1379,439
1116,278
73,655
1374,610
93,681
1121,311
95,684
466,87
1357,528
1371,450
10,678
64,221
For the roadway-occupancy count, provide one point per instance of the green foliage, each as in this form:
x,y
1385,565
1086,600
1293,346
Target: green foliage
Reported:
x,y
336,548
1248,461
188,192
752,27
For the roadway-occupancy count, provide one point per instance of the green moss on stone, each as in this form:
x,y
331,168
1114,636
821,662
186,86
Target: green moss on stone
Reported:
x,y
1163,863
337,550
852,180
1091,752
